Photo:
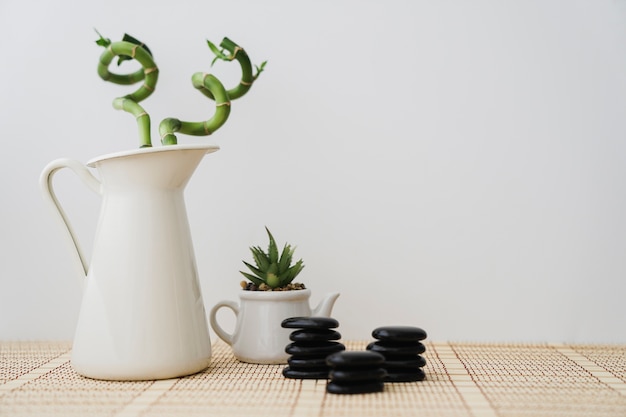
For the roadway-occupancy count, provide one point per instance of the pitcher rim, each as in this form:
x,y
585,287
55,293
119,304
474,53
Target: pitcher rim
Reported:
x,y
165,148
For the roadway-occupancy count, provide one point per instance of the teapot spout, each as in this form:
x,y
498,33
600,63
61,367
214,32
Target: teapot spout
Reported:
x,y
325,307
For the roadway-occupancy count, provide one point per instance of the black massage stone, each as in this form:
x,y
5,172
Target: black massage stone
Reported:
x,y
355,359
355,388
316,350
344,375
405,376
288,372
316,323
314,335
388,349
411,362
399,333
307,363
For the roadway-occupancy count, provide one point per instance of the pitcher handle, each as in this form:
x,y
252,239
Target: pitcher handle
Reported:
x,y
45,181
225,336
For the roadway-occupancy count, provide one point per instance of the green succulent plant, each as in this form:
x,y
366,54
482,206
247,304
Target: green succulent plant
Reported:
x,y
272,268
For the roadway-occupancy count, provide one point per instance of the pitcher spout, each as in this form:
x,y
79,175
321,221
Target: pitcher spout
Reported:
x,y
325,307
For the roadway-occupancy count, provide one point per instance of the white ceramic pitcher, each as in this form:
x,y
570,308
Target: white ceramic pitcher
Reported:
x,y
142,314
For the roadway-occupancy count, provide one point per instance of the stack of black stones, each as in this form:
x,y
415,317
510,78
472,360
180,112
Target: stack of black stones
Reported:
x,y
395,356
313,339
356,372
402,349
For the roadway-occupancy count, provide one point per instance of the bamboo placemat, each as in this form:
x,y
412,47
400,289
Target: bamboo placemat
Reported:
x,y
473,380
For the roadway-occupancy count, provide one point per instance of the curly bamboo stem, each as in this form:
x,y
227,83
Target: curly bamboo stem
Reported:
x,y
149,74
143,119
247,76
206,83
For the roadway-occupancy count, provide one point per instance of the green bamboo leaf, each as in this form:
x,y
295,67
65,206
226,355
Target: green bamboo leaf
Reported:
x,y
104,42
134,41
219,54
122,58
128,38
259,69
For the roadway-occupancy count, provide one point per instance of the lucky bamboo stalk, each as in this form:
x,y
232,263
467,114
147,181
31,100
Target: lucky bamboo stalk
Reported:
x,y
207,84
238,53
125,49
211,87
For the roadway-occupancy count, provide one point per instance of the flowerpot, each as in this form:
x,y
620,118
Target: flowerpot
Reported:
x,y
258,336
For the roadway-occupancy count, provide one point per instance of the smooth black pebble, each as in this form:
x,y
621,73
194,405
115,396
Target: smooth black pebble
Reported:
x,y
355,359
408,363
355,388
307,363
345,375
399,333
318,323
314,335
405,376
390,350
319,349
288,372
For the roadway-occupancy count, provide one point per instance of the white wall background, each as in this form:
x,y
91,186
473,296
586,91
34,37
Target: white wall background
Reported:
x,y
455,165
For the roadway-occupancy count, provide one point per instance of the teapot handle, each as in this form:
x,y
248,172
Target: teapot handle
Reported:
x,y
226,337
45,181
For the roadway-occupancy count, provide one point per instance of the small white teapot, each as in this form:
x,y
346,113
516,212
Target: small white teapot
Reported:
x,y
258,336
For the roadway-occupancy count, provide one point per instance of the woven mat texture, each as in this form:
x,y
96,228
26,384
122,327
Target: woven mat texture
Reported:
x,y
465,380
